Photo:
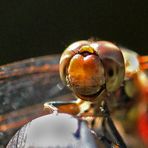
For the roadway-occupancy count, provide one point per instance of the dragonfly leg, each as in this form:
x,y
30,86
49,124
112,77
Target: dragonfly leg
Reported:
x,y
109,128
103,141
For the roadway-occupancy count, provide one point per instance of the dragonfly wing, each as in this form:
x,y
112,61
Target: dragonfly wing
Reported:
x,y
24,87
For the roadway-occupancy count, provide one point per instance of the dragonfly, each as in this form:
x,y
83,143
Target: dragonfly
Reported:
x,y
27,84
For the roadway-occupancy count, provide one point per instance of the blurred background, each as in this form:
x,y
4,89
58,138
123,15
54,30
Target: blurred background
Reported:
x,y
33,27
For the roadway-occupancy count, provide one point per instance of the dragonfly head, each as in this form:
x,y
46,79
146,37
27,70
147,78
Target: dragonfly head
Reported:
x,y
85,70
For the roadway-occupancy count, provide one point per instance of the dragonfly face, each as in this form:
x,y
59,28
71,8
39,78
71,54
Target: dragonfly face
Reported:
x,y
89,68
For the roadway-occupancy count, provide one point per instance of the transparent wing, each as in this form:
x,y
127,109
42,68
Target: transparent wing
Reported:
x,y
134,62
24,87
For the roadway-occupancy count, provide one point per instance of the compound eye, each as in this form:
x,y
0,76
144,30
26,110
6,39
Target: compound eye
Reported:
x,y
112,69
111,72
113,63
114,74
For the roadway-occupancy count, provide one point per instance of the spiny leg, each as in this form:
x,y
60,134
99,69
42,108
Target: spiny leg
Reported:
x,y
109,127
103,141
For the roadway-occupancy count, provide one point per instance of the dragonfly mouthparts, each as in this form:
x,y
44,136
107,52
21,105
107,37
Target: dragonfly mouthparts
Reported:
x,y
92,97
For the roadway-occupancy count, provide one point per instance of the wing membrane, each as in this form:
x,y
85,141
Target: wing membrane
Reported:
x,y
24,87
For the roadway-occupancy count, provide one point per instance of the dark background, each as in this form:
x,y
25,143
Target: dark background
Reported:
x,y
33,28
